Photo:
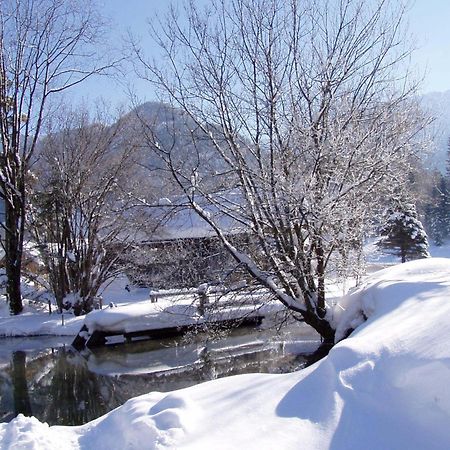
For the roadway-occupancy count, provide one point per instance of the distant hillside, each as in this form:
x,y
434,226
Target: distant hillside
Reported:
x,y
188,147
168,122
177,134
437,104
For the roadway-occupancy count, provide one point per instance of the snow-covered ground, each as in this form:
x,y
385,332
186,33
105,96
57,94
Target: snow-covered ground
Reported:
x,y
374,255
385,387
180,310
133,310
36,321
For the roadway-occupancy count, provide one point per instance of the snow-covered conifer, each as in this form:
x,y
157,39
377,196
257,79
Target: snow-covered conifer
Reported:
x,y
403,234
438,212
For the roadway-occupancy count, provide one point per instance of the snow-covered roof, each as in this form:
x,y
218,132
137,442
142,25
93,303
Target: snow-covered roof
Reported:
x,y
178,221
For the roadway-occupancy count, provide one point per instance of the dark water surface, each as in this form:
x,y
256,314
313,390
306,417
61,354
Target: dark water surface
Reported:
x,y
46,378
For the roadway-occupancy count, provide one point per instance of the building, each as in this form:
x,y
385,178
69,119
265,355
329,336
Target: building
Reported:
x,y
184,251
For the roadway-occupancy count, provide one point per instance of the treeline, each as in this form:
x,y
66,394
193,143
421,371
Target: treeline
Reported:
x,y
437,206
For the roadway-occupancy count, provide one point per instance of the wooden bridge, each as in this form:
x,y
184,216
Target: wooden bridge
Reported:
x,y
171,315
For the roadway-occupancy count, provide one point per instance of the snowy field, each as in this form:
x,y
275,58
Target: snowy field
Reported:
x,y
385,387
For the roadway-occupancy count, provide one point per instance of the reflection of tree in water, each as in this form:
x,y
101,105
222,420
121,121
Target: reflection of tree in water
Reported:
x,y
76,395
208,364
20,386
57,388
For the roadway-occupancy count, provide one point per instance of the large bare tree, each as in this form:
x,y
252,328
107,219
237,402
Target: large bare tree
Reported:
x,y
46,47
310,111
81,203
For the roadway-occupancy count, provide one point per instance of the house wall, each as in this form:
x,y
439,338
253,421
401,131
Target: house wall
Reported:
x,y
184,263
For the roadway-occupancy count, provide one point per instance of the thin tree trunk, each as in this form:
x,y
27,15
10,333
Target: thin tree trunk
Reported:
x,y
403,254
13,251
320,271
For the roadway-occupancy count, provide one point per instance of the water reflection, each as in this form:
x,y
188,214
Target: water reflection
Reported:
x,y
74,394
20,387
61,386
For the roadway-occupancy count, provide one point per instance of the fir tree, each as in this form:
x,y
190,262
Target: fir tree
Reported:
x,y
445,192
403,235
438,212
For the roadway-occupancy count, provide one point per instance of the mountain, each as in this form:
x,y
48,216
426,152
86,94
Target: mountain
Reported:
x,y
168,122
169,135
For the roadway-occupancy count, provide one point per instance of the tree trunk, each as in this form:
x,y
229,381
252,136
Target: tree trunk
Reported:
x,y
320,271
322,326
322,351
13,259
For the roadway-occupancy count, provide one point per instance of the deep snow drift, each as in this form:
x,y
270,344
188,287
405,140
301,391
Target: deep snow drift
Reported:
x,y
385,387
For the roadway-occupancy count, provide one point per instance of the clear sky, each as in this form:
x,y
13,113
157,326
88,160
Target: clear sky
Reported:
x,y
429,22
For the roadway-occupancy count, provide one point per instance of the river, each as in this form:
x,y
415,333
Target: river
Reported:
x,y
46,378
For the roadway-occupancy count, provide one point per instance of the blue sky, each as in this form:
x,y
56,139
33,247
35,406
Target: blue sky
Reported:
x,y
429,22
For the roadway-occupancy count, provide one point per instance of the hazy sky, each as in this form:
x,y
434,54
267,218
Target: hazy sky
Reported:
x,y
429,22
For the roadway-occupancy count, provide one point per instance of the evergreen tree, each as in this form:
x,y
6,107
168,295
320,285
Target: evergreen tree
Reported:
x,y
447,162
403,234
445,191
437,212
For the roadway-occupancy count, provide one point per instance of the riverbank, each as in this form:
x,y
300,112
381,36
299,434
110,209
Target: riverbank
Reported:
x,y
131,309
37,321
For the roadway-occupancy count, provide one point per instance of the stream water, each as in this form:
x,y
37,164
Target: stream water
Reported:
x,y
46,378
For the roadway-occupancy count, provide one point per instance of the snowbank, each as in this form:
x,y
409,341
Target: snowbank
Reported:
x,y
385,387
36,322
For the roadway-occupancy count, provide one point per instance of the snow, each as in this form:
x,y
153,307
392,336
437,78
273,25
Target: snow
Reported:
x,y
384,387
184,222
177,311
32,324
377,259
36,321
133,310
